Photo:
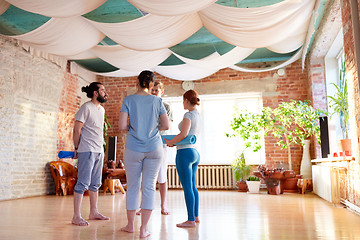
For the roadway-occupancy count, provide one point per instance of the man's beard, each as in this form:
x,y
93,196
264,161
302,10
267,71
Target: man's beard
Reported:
x,y
101,99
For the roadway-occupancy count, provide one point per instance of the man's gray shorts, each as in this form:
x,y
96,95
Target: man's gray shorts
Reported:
x,y
90,165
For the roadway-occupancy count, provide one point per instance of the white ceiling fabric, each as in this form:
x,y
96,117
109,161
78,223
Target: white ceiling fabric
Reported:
x,y
277,66
171,8
131,60
257,27
56,8
144,42
151,32
184,72
63,36
3,6
217,61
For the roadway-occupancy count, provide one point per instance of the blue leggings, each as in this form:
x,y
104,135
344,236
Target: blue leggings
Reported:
x,y
187,161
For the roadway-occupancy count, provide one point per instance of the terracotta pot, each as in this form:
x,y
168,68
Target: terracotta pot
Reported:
x,y
242,186
290,184
345,145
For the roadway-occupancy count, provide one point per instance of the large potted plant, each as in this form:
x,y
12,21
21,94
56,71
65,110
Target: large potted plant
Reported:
x,y
290,123
241,172
340,106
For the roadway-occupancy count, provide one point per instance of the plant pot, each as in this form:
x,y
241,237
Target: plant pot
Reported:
x,y
345,145
290,184
253,186
242,186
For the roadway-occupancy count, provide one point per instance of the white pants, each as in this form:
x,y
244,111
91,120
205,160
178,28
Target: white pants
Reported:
x,y
141,167
162,178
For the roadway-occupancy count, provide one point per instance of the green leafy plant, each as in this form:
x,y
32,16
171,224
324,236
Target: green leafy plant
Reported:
x,y
240,168
339,102
290,123
253,178
107,125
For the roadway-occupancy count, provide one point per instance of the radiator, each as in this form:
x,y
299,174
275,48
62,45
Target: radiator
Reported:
x,y
207,177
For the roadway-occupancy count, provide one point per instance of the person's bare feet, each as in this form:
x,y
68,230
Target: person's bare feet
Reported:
x,y
79,221
144,233
197,219
164,211
127,228
98,216
187,224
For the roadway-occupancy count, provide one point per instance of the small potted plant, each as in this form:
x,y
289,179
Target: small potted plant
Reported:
x,y
253,184
241,172
340,106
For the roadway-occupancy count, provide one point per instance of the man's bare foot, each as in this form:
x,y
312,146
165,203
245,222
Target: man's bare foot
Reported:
x,y
138,212
98,216
128,229
187,224
164,211
144,233
79,221
197,219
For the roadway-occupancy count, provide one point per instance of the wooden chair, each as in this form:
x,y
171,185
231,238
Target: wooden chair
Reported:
x,y
65,177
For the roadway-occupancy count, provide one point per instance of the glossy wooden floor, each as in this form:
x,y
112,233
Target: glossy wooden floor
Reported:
x,y
224,215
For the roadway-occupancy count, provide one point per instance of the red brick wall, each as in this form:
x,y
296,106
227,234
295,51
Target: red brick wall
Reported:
x,y
293,85
69,104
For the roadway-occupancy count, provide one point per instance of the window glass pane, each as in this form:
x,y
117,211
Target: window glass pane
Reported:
x,y
217,111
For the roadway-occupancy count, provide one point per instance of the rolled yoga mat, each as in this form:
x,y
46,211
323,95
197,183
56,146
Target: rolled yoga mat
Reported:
x,y
190,139
66,154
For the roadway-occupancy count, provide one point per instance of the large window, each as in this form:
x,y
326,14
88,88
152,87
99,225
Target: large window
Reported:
x,y
217,112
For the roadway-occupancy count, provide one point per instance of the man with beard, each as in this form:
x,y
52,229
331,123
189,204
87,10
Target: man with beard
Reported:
x,y
88,143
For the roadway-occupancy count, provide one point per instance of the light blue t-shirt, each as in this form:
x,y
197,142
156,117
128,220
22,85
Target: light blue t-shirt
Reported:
x,y
195,127
144,112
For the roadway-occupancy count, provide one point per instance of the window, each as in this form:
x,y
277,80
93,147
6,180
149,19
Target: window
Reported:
x,y
216,112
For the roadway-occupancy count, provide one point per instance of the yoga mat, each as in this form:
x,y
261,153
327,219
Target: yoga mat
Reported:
x,y
190,139
66,154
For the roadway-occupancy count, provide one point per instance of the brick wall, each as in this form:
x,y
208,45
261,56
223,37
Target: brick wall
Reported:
x,y
37,98
275,89
29,103
353,181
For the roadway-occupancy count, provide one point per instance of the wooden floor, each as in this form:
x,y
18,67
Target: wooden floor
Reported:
x,y
223,214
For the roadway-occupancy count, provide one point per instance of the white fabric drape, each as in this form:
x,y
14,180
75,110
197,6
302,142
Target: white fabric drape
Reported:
x,y
184,72
131,60
257,27
3,6
295,57
217,61
144,42
151,32
55,8
63,36
171,8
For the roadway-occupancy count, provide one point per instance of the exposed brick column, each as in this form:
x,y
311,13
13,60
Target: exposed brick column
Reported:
x,y
352,76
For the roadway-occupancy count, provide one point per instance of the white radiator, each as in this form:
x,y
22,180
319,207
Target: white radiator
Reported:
x,y
207,177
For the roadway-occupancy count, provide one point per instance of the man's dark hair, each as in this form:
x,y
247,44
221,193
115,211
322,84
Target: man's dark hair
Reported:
x,y
94,86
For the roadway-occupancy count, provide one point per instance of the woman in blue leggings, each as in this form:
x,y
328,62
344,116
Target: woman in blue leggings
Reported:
x,y
188,158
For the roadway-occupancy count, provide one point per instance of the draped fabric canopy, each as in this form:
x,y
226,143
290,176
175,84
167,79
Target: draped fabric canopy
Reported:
x,y
182,40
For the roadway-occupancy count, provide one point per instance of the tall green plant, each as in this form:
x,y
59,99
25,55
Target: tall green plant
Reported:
x,y
240,168
291,123
107,125
339,102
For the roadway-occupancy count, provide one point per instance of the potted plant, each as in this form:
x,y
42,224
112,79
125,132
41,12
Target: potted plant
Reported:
x,y
241,172
253,184
290,123
340,106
